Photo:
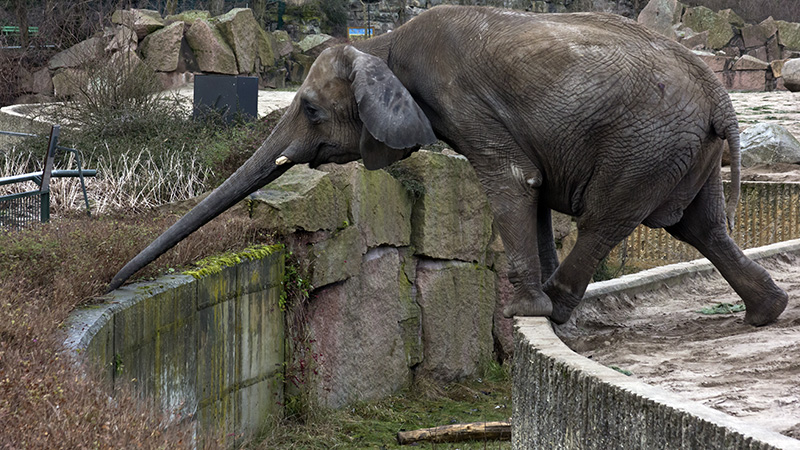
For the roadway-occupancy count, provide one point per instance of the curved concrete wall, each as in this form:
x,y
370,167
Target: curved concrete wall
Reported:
x,y
562,400
208,349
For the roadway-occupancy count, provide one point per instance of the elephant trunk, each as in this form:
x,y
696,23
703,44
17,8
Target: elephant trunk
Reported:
x,y
256,172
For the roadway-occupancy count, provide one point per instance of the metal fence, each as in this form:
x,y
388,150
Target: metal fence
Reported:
x,y
20,209
767,213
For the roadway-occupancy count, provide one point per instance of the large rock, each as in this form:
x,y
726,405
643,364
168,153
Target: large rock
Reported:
x,y
162,49
283,43
768,143
42,82
748,62
312,41
791,75
301,199
141,21
379,205
69,81
758,35
188,17
788,34
79,54
365,332
212,52
457,300
700,18
120,39
451,219
265,49
659,16
336,258
240,30
731,17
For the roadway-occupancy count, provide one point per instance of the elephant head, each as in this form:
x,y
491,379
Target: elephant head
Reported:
x,y
351,106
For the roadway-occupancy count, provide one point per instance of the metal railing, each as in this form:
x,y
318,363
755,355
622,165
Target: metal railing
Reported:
x,y
23,208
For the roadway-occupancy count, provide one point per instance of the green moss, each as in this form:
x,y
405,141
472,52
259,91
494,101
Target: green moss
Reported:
x,y
215,264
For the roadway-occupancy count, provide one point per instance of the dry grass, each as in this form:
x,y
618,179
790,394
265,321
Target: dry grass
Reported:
x,y
45,400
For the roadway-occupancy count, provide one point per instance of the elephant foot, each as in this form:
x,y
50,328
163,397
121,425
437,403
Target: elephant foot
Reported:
x,y
767,310
539,305
563,304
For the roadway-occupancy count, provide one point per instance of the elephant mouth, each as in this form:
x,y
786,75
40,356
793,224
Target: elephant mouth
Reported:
x,y
333,153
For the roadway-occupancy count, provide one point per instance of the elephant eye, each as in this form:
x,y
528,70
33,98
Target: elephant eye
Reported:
x,y
314,113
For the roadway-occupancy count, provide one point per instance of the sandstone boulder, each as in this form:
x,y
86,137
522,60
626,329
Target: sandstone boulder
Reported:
x,y
748,62
79,54
283,43
265,49
141,21
379,205
213,54
791,75
457,300
188,17
700,18
69,81
120,38
313,40
659,16
240,30
42,82
695,40
777,67
302,199
24,79
451,218
365,332
336,258
732,18
162,49
788,34
768,143
758,35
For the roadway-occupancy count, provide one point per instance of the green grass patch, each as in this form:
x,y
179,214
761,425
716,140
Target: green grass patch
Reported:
x,y
375,424
723,308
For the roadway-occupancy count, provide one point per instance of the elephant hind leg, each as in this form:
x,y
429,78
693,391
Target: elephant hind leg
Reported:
x,y
568,284
703,225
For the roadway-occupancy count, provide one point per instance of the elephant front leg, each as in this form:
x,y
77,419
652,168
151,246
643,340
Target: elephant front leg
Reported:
x,y
514,201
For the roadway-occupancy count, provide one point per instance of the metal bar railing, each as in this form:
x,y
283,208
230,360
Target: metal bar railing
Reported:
x,y
20,204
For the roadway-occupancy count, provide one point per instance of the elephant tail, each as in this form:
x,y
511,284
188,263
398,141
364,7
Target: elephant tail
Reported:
x,y
731,134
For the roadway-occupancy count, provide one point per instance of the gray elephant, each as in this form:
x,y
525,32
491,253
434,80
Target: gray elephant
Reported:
x,y
587,114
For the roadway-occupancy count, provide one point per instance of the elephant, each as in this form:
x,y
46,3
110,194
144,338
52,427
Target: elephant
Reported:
x,y
587,114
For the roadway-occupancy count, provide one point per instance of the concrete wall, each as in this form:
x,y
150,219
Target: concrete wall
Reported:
x,y
209,349
562,400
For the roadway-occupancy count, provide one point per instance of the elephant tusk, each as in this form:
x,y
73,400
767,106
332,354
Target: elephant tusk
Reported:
x,y
282,160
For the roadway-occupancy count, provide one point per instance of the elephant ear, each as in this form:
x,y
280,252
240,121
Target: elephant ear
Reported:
x,y
394,122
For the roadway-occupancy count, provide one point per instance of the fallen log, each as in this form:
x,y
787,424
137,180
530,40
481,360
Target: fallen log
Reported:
x,y
459,432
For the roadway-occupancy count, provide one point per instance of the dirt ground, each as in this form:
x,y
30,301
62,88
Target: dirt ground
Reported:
x,y
717,360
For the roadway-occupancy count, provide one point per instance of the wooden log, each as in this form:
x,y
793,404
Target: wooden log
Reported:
x,y
459,432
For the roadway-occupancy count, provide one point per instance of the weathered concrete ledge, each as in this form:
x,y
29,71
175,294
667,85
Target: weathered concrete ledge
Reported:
x,y
562,400
209,349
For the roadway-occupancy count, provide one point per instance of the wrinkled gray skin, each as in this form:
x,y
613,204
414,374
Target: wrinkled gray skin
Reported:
x,y
587,114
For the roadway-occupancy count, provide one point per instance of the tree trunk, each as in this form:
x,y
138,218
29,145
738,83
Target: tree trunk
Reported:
x,y
21,10
459,432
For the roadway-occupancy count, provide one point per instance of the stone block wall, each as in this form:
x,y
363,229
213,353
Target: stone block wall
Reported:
x,y
209,349
405,269
562,400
